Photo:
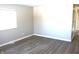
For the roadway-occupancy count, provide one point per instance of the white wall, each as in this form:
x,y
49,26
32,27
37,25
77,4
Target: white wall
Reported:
x,y
75,1
54,19
24,23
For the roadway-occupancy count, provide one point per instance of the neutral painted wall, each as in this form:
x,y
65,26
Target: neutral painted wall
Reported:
x,y
54,19
24,23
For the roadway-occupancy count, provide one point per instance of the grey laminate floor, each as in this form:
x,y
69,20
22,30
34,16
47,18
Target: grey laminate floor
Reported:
x,y
41,45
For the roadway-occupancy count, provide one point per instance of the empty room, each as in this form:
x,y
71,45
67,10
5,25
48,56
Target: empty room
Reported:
x,y
43,27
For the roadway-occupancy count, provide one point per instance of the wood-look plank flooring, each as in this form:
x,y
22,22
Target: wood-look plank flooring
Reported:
x,y
41,45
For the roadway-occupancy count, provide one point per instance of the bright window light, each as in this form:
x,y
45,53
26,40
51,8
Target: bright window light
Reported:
x,y
7,19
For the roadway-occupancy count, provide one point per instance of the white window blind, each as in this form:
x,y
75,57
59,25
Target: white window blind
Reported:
x,y
7,19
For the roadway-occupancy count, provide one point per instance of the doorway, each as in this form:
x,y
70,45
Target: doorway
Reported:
x,y
75,25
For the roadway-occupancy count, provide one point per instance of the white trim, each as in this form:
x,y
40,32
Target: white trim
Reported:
x,y
13,41
53,37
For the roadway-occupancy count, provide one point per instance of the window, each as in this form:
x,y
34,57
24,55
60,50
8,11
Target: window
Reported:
x,y
7,19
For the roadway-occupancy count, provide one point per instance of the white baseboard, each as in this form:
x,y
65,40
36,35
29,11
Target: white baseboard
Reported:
x,y
13,41
53,37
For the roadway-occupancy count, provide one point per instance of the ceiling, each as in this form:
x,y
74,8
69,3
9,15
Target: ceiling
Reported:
x,y
31,2
24,2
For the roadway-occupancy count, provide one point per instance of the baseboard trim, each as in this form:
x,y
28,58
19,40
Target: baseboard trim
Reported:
x,y
53,37
13,41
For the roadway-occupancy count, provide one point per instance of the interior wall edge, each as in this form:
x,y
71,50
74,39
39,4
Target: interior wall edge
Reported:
x,y
53,37
13,41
